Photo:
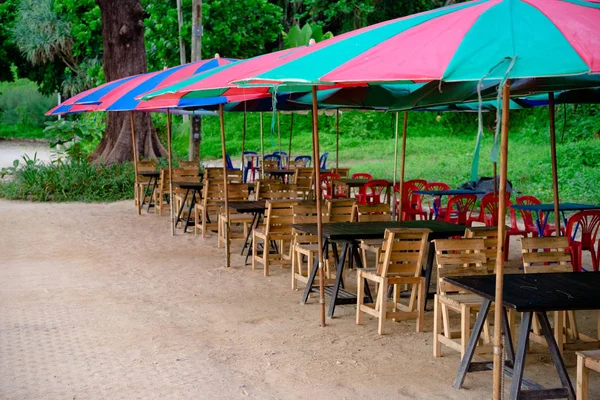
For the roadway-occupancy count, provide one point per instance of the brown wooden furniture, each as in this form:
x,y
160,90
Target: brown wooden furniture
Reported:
x,y
403,253
189,164
586,361
206,212
456,257
305,245
277,231
161,194
372,213
303,178
489,234
142,181
183,174
216,173
236,192
344,173
341,210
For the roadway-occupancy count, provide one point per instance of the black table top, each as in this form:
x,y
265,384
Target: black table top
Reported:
x,y
189,185
451,192
254,206
550,207
341,231
280,171
149,174
357,182
538,292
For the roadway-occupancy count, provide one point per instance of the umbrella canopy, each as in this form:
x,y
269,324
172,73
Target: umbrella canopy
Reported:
x,y
492,39
120,95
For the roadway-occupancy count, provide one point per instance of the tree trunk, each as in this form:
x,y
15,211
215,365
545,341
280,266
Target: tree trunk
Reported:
x,y
125,55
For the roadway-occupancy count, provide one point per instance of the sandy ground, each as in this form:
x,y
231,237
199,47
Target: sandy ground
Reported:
x,y
14,150
98,303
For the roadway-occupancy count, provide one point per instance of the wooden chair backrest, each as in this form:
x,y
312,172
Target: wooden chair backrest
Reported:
x,y
143,166
489,234
237,192
212,192
538,251
372,212
458,257
279,217
303,178
263,187
403,251
185,174
307,214
270,164
341,210
296,164
213,173
163,184
342,172
283,191
189,164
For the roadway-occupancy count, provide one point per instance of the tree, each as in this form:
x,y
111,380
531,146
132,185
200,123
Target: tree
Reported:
x,y
125,55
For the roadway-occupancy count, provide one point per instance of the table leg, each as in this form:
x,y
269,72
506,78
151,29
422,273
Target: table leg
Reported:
x,y
152,193
517,377
192,204
253,225
508,343
472,345
429,270
555,353
182,207
313,274
359,264
338,279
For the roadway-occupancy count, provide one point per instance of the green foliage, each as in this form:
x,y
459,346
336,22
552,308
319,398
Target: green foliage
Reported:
x,y
74,138
69,181
301,37
21,104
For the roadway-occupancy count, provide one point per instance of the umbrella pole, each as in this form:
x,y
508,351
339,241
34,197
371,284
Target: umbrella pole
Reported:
x,y
337,139
402,164
225,188
551,112
262,147
135,161
170,171
315,138
291,131
243,147
498,346
395,216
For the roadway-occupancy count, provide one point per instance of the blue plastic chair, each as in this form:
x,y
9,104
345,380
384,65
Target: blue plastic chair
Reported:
x,y
273,157
230,164
323,160
305,159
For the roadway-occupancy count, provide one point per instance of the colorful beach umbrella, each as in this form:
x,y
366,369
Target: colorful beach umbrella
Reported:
x,y
485,39
120,95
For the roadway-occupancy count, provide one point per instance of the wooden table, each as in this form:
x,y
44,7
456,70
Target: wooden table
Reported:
x,y
195,188
152,182
440,193
529,294
546,209
350,233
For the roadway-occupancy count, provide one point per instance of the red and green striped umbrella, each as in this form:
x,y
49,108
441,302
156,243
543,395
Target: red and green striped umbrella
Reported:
x,y
492,39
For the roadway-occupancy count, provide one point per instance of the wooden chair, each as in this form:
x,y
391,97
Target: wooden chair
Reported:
x,y
305,245
552,254
206,212
303,178
184,174
344,173
142,185
341,210
189,164
215,174
277,231
161,194
404,250
489,234
236,192
586,361
372,213
293,164
457,257
263,188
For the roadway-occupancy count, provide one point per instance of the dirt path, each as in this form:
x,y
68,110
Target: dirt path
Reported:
x,y
98,303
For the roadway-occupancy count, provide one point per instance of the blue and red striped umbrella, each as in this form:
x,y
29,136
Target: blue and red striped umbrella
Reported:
x,y
120,95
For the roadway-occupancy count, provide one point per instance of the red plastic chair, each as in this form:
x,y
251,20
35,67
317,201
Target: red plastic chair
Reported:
x,y
587,225
459,208
415,200
408,212
530,226
327,184
373,190
360,175
437,199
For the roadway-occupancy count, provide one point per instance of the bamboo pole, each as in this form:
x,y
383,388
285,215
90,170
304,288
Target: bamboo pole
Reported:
x,y
170,172
135,161
225,187
395,216
262,148
337,139
243,145
315,128
498,346
551,112
291,131
403,163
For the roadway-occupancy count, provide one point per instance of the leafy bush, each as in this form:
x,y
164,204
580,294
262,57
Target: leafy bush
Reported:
x,y
22,105
69,181
74,138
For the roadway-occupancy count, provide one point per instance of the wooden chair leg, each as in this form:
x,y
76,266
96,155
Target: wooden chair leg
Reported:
x,y
421,305
445,320
382,306
559,330
196,221
219,232
360,297
437,321
294,263
265,257
582,379
465,327
254,250
204,214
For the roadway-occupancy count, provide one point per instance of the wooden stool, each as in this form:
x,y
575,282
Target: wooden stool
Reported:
x,y
586,360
